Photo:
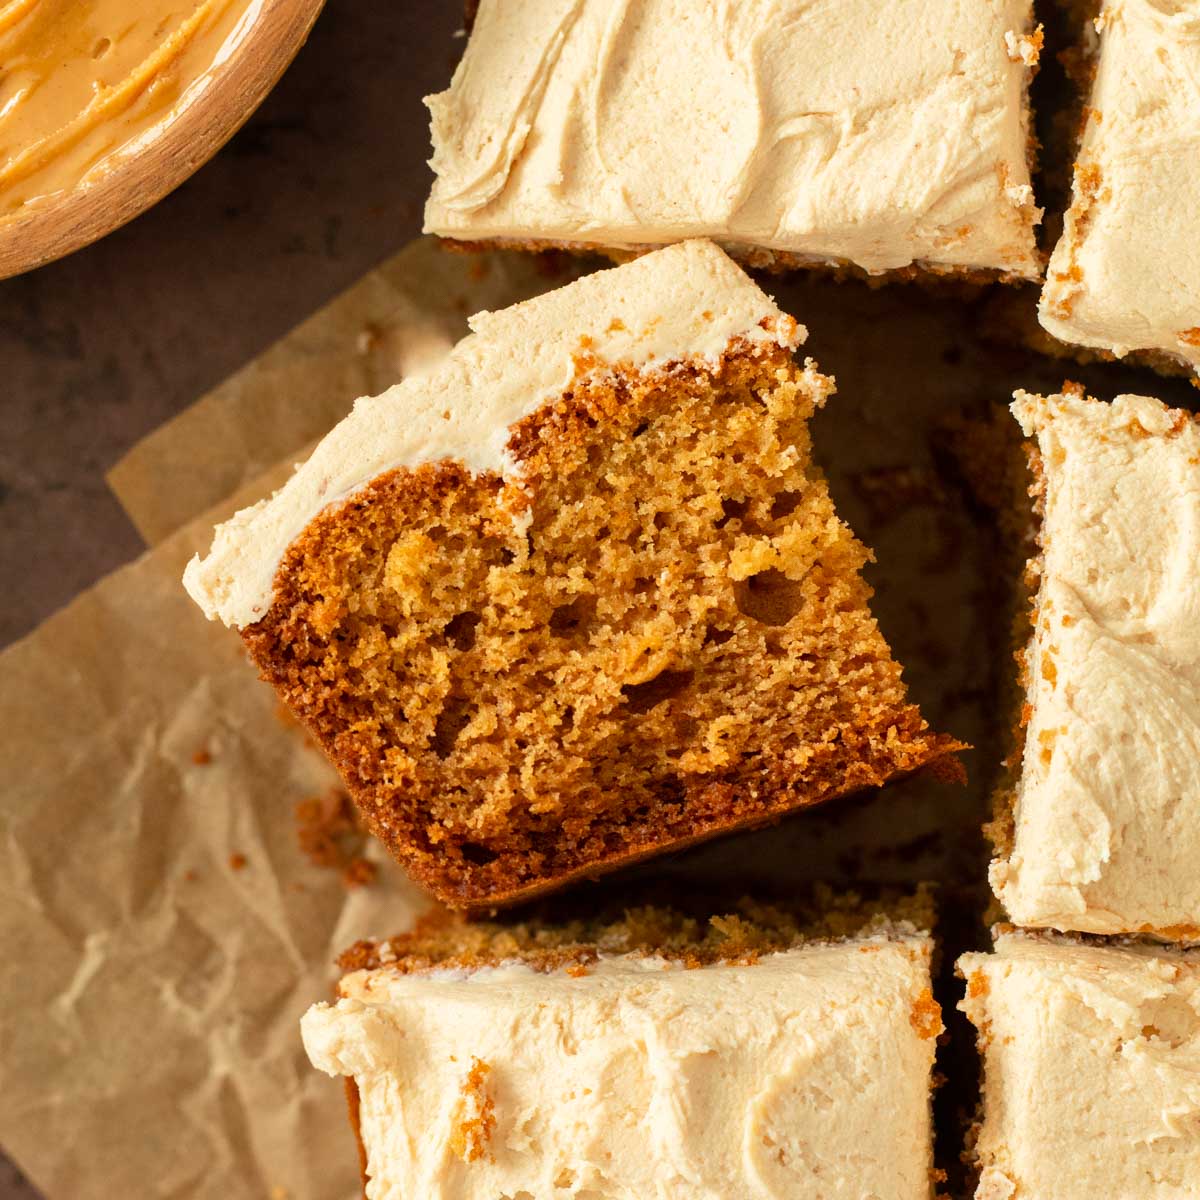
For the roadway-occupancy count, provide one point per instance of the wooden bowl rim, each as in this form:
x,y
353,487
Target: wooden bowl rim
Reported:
x,y
182,145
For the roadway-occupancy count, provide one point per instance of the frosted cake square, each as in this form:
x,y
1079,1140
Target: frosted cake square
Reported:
x,y
1091,1069
578,595
754,1054
1125,276
1102,831
881,136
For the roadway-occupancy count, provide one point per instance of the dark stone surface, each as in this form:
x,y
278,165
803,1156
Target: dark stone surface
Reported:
x,y
325,180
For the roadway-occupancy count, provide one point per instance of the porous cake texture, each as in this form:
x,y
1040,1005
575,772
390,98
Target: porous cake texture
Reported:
x,y
1102,831
652,1055
578,595
1091,1069
1125,275
875,135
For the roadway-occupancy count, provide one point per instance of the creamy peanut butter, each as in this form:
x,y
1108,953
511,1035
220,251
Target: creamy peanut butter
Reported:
x,y
84,82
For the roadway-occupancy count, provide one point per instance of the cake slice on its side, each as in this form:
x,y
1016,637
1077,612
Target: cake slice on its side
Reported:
x,y
652,1055
1125,276
890,138
1101,832
578,595
1091,1069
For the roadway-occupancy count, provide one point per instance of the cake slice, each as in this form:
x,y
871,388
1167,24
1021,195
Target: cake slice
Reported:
x,y
1102,830
578,595
1125,276
654,1055
879,136
1091,1069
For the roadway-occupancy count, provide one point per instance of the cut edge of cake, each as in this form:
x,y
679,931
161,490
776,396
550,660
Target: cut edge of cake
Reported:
x,y
485,439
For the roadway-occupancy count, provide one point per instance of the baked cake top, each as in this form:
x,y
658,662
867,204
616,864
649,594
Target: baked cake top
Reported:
x,y
579,934
1092,1084
874,134
632,1073
688,301
1126,274
1106,832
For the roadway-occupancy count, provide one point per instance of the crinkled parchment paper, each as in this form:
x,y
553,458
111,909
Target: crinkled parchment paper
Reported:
x,y
162,931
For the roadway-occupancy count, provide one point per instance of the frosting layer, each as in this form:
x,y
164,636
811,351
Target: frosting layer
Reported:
x,y
1107,814
1092,1070
1126,273
686,302
808,1070
874,134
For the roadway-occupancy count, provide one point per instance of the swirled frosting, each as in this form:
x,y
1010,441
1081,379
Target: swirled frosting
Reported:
x,y
85,85
874,134
1125,275
807,1071
1107,813
1092,1069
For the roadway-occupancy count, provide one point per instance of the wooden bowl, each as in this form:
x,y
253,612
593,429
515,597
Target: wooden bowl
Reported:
x,y
186,141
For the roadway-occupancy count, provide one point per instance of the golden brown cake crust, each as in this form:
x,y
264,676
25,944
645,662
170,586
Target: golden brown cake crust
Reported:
x,y
676,646
758,258
692,930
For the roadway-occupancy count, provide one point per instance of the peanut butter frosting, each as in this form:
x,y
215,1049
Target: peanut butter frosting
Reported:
x,y
686,302
879,135
635,1077
1106,822
1125,275
84,84
1092,1069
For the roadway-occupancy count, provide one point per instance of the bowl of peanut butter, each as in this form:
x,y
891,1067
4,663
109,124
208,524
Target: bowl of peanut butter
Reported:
x,y
107,105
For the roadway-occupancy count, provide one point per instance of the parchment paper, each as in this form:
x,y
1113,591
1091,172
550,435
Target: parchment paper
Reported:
x,y
152,985
398,319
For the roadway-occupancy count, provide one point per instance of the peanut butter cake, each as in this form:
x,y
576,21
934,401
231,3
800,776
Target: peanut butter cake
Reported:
x,y
652,1056
577,595
875,135
1091,1069
1103,835
1125,275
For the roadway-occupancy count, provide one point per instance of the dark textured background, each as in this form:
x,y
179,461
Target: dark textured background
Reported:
x,y
325,180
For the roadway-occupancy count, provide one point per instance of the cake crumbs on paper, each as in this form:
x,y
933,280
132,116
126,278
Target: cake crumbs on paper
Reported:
x,y
331,837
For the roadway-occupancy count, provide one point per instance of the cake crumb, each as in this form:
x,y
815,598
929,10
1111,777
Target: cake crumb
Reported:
x,y
1025,48
331,837
202,757
926,1015
475,1118
237,861
359,872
